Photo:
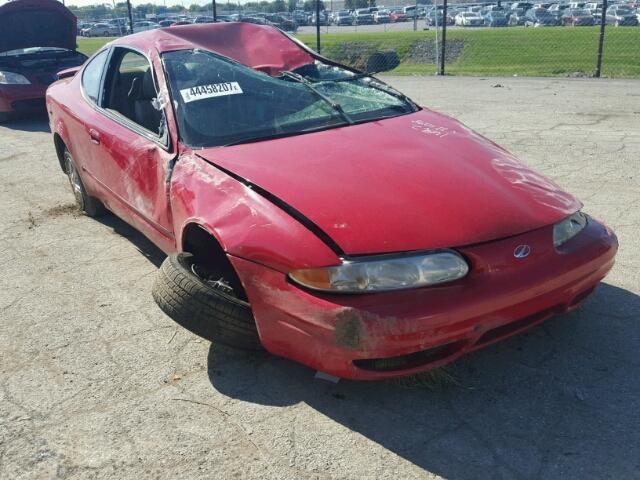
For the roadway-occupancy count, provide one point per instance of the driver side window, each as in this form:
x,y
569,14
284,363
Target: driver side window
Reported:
x,y
132,90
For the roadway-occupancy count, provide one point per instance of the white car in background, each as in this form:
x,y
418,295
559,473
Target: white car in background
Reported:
x,y
381,16
100,30
469,19
144,26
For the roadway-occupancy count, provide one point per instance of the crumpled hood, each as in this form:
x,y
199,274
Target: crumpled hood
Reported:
x,y
36,23
415,182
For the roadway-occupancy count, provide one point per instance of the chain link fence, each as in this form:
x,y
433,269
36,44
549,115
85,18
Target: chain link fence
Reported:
x,y
502,39
560,38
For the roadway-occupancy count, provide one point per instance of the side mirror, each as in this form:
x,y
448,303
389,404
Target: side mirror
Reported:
x,y
382,61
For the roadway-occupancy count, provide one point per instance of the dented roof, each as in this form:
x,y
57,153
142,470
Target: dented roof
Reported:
x,y
260,47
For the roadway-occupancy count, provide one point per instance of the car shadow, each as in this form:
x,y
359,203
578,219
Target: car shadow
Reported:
x,y
559,401
145,246
37,122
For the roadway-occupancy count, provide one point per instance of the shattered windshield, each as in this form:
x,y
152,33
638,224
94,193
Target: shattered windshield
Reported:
x,y
220,102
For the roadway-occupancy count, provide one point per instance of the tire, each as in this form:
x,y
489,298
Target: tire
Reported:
x,y
105,34
199,306
92,207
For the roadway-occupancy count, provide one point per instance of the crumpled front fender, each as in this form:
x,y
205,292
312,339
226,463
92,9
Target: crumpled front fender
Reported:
x,y
245,223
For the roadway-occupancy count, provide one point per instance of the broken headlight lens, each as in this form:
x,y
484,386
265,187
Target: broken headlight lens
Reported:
x,y
568,228
376,274
10,78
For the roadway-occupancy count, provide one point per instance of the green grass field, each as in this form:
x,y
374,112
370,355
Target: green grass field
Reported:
x,y
498,51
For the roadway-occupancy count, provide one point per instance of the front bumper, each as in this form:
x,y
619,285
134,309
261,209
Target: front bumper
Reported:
x,y
399,333
22,98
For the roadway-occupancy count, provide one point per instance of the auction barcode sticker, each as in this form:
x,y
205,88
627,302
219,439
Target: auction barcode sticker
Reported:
x,y
209,91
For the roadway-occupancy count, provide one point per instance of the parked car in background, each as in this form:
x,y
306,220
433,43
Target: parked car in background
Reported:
x,y
540,17
381,16
121,24
283,22
324,18
556,9
254,19
166,23
144,26
261,174
576,17
469,19
517,17
522,5
398,15
203,19
181,22
495,18
342,17
301,18
621,15
37,40
82,26
411,12
363,16
101,30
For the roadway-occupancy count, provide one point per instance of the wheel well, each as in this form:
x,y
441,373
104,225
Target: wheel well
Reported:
x,y
208,251
60,148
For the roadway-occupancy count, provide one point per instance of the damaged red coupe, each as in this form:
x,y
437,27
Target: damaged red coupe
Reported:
x,y
313,210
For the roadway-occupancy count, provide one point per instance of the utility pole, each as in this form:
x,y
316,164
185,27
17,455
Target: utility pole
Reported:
x,y
603,21
318,26
415,17
444,36
213,8
435,18
130,16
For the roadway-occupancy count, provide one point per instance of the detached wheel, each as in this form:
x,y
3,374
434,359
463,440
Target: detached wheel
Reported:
x,y
202,301
92,207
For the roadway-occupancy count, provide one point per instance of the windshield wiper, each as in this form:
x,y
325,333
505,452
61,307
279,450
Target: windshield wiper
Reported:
x,y
274,136
336,106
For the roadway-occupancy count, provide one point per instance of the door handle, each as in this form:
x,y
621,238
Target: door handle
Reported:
x,y
94,136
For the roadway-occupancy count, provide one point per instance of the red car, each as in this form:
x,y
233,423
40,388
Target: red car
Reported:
x,y
398,16
37,40
313,210
576,17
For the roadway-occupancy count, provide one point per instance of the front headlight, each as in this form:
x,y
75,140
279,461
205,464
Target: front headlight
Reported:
x,y
375,274
10,78
568,228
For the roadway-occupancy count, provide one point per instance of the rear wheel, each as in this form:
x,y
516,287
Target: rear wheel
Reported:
x,y
92,207
199,298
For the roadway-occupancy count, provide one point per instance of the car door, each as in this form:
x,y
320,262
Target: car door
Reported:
x,y
132,154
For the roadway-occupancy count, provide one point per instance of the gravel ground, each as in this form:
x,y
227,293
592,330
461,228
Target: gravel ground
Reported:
x,y
95,382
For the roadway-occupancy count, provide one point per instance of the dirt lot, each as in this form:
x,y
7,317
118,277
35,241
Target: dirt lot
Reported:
x,y
95,382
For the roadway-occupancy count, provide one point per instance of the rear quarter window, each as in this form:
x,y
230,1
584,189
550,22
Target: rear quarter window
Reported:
x,y
92,76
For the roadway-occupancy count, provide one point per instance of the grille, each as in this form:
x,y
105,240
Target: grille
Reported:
x,y
411,360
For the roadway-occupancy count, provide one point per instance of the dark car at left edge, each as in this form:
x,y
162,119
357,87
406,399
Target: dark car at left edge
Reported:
x,y
37,40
